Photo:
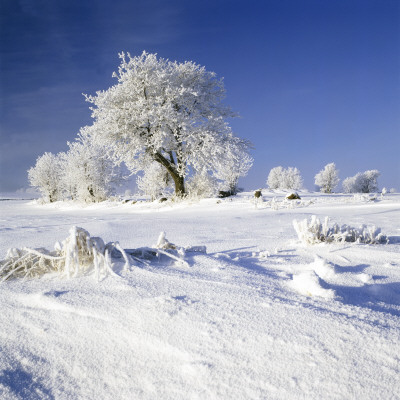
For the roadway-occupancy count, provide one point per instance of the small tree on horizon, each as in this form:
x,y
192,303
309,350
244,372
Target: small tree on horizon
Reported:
x,y
328,178
363,182
89,173
285,179
46,176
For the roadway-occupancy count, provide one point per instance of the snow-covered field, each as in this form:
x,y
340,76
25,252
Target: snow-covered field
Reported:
x,y
259,316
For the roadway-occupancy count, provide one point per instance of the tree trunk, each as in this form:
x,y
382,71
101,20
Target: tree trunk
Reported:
x,y
172,170
179,185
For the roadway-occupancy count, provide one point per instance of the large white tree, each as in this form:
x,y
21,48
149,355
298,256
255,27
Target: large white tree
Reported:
x,y
328,178
166,112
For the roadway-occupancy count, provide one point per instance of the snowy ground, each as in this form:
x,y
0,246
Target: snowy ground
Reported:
x,y
260,316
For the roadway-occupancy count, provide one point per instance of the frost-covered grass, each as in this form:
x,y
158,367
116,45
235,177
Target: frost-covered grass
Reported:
x,y
259,315
313,231
78,254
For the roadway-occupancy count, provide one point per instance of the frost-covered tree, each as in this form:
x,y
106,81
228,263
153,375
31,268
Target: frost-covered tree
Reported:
x,y
275,177
363,182
154,182
237,165
286,179
328,178
167,111
292,179
46,176
349,185
370,182
89,173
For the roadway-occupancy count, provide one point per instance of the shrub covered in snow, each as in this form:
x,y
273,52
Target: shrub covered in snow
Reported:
x,y
286,179
363,182
313,231
328,178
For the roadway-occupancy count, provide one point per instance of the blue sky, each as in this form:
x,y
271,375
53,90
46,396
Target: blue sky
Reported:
x,y
313,81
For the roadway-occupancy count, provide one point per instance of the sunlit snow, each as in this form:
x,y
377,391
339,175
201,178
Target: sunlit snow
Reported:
x,y
259,315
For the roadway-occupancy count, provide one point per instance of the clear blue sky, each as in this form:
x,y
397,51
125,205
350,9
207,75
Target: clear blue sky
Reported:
x,y
314,81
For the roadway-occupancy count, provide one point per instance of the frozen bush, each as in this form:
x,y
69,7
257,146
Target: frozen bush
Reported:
x,y
328,178
313,231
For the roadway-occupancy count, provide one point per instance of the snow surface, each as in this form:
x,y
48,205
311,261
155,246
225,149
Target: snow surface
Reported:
x,y
260,315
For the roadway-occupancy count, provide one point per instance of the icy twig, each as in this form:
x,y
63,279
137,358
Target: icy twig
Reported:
x,y
124,255
173,257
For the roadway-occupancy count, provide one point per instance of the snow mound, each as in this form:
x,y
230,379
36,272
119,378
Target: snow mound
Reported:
x,y
308,283
310,279
322,268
